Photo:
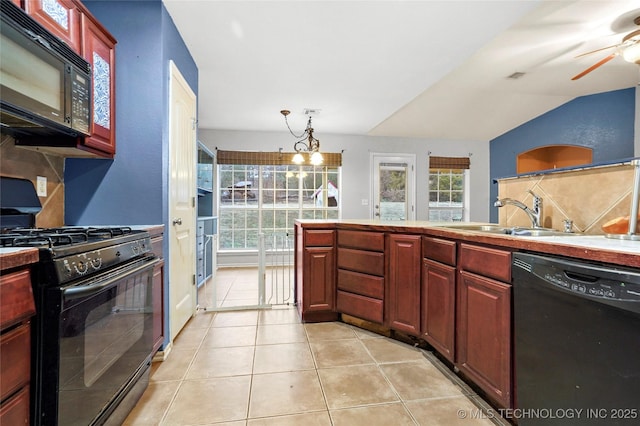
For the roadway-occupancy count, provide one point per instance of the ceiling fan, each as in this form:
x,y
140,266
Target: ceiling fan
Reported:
x,y
629,48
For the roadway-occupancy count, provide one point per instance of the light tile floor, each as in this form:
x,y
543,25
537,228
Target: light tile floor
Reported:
x,y
263,367
238,287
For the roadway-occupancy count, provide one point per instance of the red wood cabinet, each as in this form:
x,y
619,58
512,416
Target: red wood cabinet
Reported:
x,y
16,308
72,22
361,274
60,17
439,295
438,306
98,48
402,299
483,336
315,274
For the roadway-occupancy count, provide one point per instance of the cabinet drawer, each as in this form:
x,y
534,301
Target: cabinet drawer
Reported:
x,y
360,306
368,262
443,251
15,411
318,237
361,240
16,298
486,261
15,353
363,284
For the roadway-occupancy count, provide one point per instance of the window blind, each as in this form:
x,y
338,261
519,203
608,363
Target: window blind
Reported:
x,y
449,162
331,159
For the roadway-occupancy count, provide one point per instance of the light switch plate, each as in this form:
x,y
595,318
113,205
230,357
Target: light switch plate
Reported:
x,y
42,186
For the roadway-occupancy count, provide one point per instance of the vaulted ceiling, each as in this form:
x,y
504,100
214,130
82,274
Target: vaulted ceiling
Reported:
x,y
424,69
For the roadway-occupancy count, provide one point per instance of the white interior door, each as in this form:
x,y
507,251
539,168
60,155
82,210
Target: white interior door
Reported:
x,y
182,205
393,186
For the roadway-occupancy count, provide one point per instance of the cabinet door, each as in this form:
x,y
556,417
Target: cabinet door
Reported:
x,y
402,301
484,334
98,48
60,17
438,306
319,279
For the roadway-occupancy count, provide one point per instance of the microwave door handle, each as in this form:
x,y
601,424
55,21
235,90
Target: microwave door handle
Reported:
x,y
38,38
89,289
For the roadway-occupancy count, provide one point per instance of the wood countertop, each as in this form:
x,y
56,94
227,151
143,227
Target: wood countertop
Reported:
x,y
15,257
585,247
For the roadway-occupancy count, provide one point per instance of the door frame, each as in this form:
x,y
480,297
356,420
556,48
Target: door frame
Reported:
x,y
376,158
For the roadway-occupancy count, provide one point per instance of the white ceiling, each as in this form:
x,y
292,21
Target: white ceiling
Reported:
x,y
427,69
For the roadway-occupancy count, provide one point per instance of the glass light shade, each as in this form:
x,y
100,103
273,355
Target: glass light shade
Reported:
x,y
316,158
298,158
632,53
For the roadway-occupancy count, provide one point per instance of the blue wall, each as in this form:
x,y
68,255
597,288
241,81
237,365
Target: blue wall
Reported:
x,y
603,122
131,188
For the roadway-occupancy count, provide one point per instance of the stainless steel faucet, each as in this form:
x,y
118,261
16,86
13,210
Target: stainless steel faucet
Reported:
x,y
534,214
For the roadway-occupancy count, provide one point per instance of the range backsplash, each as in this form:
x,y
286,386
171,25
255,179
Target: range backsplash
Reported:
x,y
588,197
29,164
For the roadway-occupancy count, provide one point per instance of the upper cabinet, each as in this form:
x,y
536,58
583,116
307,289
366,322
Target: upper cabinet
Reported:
x,y
98,48
60,17
72,22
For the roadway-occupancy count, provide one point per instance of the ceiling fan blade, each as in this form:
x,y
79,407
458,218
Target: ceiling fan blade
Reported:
x,y
597,50
594,66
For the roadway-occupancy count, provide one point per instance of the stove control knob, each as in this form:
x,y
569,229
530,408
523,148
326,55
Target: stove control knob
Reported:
x,y
81,267
96,263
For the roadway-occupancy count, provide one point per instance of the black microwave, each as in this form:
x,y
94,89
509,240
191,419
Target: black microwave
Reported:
x,y
45,87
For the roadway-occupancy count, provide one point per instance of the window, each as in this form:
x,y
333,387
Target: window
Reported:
x,y
446,194
446,188
268,198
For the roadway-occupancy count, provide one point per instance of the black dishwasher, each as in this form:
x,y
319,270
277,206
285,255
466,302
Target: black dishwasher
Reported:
x,y
576,334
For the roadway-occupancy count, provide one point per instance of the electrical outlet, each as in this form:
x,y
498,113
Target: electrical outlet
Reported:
x,y
365,202
42,186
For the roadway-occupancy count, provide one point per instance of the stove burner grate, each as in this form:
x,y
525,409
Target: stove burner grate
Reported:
x,y
56,237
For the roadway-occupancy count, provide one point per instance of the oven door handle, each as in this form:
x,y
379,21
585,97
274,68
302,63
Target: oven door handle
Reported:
x,y
95,287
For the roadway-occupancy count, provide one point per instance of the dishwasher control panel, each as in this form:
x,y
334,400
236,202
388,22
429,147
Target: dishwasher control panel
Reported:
x,y
590,280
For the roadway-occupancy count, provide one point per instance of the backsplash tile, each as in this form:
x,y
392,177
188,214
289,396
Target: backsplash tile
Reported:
x,y
588,197
29,164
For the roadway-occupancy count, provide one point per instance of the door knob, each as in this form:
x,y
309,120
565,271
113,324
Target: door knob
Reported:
x,y
177,221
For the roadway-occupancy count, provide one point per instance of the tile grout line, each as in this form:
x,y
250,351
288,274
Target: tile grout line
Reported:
x,y
183,378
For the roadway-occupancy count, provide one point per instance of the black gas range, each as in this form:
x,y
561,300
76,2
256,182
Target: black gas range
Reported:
x,y
92,335
70,253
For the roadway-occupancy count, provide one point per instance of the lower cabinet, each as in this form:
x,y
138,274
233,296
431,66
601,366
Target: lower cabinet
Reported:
x,y
438,306
157,237
16,309
483,331
158,306
361,274
402,300
315,268
438,299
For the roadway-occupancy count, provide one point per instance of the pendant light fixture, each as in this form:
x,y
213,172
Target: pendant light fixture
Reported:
x,y
307,142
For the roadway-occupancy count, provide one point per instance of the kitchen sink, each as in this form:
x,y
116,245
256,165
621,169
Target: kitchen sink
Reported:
x,y
496,229
539,232
513,231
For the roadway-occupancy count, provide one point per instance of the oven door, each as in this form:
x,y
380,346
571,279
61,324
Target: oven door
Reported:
x,y
104,335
